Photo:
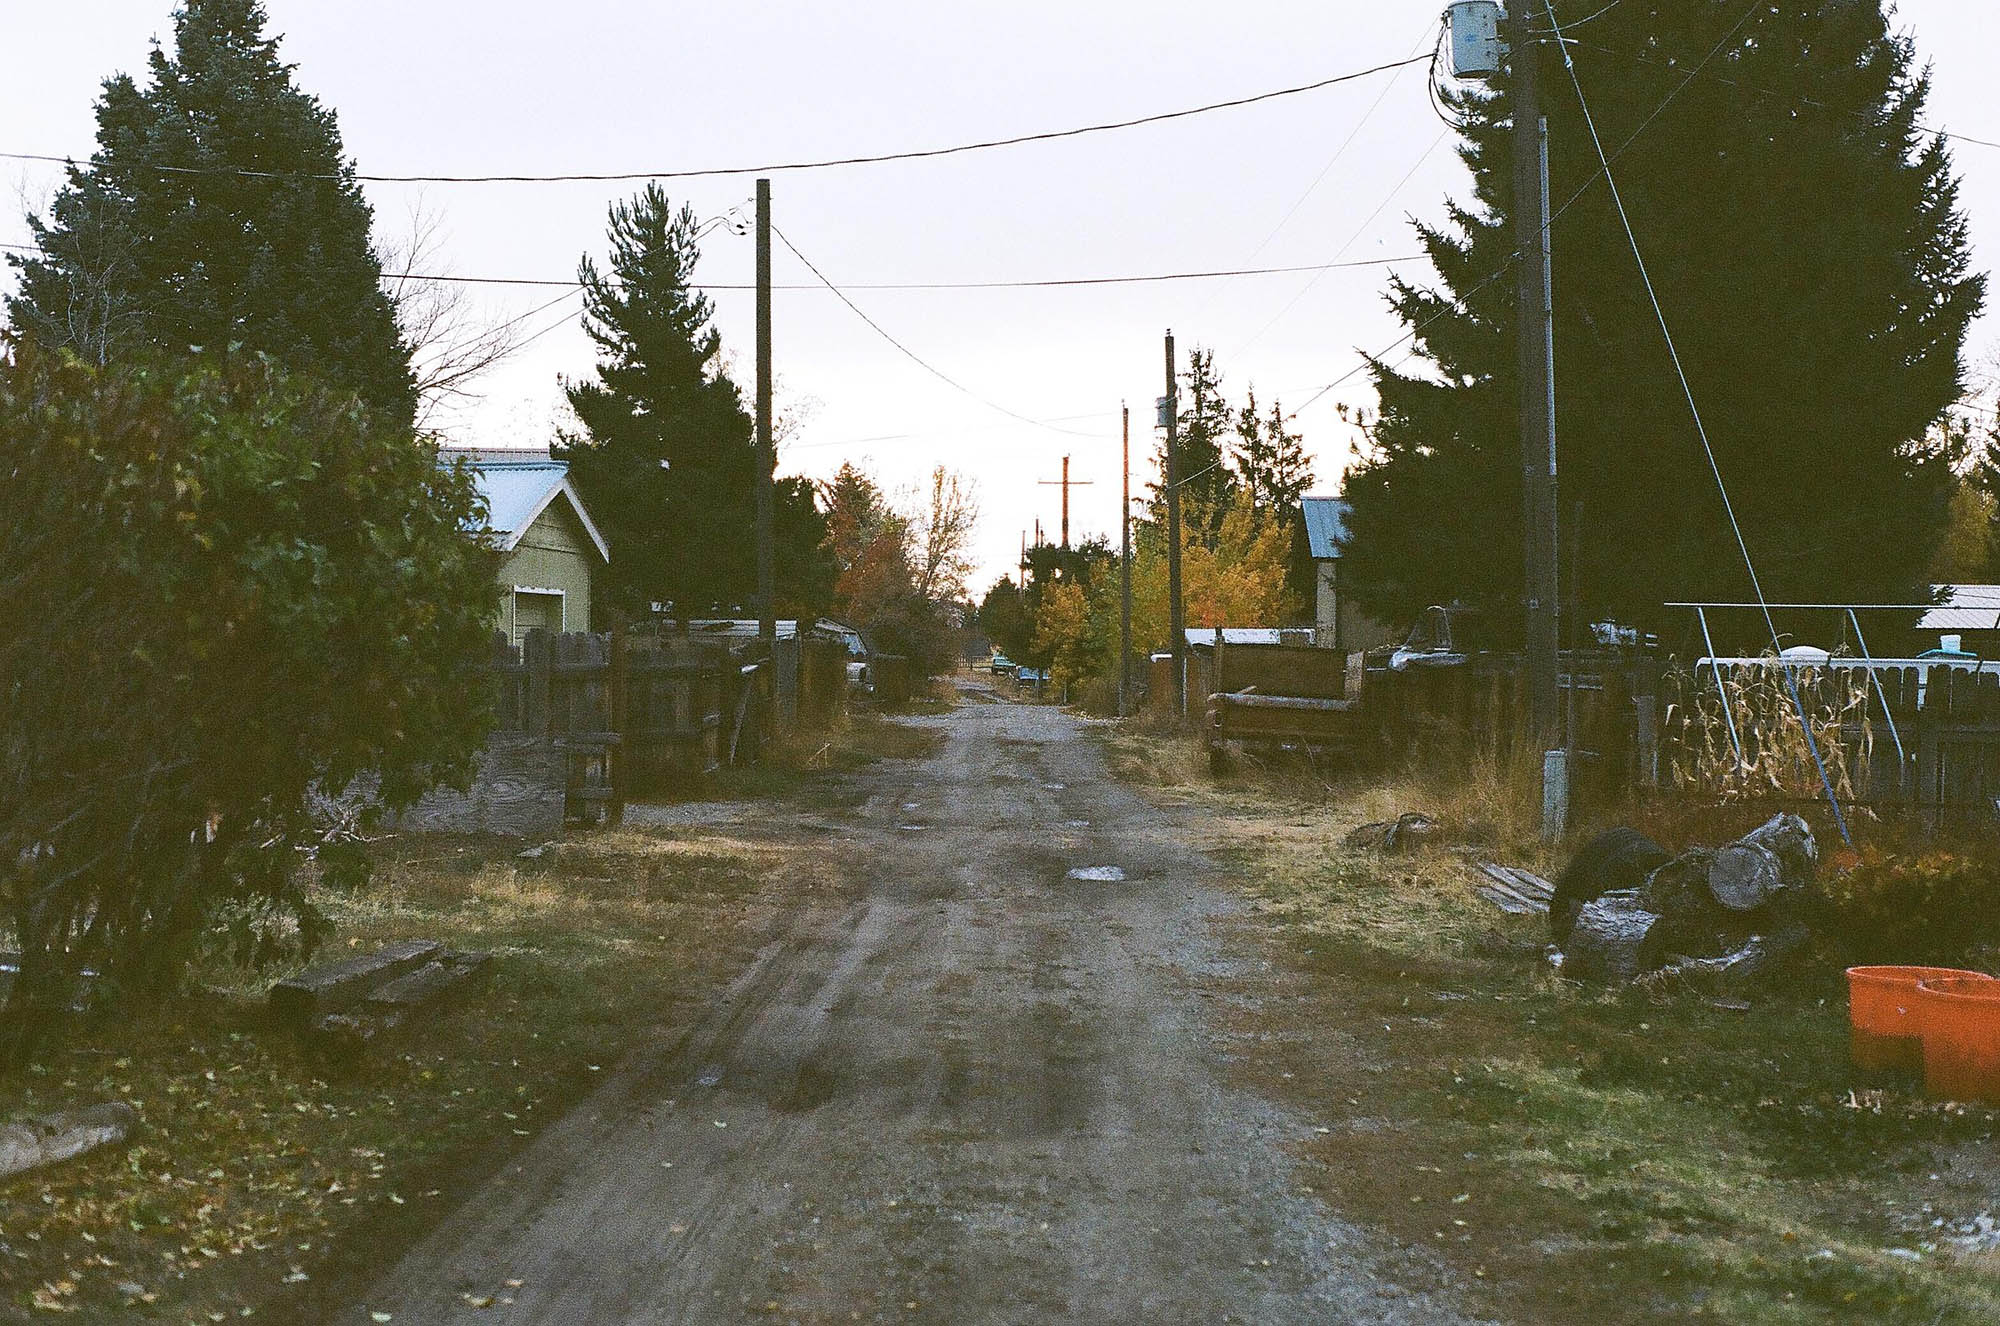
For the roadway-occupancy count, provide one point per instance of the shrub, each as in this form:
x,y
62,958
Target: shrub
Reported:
x,y
224,589
1935,909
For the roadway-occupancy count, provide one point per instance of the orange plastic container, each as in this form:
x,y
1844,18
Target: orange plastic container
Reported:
x,y
1882,1011
1959,1020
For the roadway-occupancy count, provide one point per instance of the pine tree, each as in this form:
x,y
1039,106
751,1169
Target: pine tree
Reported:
x,y
163,243
1805,240
667,460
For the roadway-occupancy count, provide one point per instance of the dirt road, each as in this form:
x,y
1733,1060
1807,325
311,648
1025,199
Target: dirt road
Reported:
x,y
987,1091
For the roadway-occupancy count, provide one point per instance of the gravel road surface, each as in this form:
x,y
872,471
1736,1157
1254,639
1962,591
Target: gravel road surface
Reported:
x,y
984,1091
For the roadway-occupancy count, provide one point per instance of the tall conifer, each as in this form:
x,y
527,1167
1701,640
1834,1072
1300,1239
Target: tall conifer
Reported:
x,y
1804,237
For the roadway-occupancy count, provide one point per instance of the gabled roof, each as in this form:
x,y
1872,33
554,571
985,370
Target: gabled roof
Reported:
x,y
1326,525
518,486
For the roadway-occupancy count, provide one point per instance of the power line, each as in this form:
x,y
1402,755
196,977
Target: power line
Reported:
x,y
1149,278
1359,230
919,154
1333,160
1569,203
912,355
1041,284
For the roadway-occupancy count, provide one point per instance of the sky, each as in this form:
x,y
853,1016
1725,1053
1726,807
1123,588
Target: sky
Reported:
x,y
592,86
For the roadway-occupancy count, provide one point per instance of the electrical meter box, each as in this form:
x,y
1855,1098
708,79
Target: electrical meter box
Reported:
x,y
1476,48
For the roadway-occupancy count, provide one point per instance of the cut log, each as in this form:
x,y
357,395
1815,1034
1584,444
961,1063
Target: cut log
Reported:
x,y
37,1142
1790,839
1618,858
302,1000
427,984
1744,875
1609,940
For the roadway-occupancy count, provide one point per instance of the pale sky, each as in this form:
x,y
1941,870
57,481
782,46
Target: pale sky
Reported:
x,y
503,86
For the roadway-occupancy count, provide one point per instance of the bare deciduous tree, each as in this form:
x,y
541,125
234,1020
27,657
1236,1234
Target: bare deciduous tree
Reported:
x,y
452,342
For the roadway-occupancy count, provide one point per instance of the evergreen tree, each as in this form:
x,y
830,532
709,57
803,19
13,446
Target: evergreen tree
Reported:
x,y
1805,241
667,458
1205,424
1271,462
163,242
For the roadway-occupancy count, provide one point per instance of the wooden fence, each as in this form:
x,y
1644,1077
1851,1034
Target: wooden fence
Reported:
x,y
631,712
1906,739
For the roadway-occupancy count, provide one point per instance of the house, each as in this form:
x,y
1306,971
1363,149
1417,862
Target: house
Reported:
x,y
1338,624
551,547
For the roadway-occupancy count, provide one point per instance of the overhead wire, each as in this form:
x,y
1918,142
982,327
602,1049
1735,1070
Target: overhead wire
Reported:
x,y
1331,162
910,354
1457,303
1694,408
775,167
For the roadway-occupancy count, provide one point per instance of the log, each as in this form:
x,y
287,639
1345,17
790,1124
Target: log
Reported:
x,y
1609,940
427,984
1744,875
299,1001
44,1141
1618,858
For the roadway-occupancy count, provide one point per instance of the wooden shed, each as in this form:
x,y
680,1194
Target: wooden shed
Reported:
x,y
551,546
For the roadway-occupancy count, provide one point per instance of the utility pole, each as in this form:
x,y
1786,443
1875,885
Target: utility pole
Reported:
x,y
1125,567
1065,482
1536,348
767,452
1022,588
1170,407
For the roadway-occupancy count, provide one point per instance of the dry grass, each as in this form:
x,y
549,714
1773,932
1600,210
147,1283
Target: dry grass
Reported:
x,y
1576,1155
263,1182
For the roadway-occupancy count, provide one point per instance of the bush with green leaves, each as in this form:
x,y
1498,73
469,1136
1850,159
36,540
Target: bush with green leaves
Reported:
x,y
229,593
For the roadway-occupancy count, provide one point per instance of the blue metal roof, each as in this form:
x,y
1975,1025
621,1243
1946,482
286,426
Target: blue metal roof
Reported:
x,y
519,490
1326,525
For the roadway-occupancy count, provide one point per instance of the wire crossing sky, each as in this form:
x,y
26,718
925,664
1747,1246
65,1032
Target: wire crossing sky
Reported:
x,y
1025,200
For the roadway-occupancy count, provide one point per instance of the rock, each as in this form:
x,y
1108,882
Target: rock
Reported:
x,y
1405,833
55,1137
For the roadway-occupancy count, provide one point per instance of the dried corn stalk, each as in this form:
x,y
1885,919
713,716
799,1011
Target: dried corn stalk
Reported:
x,y
1776,758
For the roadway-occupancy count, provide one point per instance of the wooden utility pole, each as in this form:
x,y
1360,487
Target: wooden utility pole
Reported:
x,y
1022,588
767,452
1065,482
1125,566
1174,621
1536,349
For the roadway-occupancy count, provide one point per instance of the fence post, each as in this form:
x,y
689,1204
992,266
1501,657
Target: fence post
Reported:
x,y
535,657
1928,795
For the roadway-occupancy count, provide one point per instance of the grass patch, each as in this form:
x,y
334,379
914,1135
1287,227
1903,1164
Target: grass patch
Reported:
x,y
1576,1154
798,766
262,1181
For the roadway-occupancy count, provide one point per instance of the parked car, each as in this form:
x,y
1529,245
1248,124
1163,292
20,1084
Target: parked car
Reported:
x,y
1002,666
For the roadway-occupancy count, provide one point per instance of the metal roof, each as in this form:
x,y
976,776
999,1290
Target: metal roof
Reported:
x,y
1234,635
1964,608
518,487
1326,525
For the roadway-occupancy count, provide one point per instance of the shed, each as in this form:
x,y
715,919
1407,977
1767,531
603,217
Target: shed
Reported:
x,y
550,545
1337,624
